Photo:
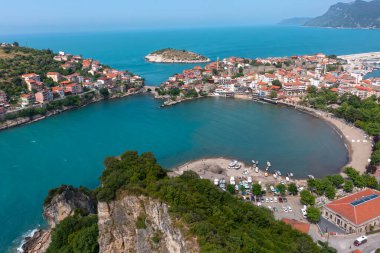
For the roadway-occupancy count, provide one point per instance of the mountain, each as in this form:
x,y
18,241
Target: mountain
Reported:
x,y
358,14
297,21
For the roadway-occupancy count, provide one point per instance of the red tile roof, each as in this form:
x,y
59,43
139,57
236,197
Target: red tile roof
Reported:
x,y
300,226
360,213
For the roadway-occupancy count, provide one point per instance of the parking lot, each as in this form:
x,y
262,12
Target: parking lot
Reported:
x,y
289,207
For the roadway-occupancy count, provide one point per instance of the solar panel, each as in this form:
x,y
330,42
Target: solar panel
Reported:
x,y
364,199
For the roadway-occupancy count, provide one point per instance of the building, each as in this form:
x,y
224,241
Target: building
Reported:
x,y
3,97
55,76
355,213
44,96
27,99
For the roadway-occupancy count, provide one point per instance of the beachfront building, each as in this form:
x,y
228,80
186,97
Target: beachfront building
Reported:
x,y
44,96
356,213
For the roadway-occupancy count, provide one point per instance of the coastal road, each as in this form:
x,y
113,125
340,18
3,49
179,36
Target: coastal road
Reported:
x,y
344,243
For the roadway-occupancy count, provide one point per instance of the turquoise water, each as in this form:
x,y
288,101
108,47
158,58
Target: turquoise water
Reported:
x,y
126,50
69,148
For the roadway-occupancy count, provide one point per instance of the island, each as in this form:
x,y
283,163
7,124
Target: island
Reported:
x,y
170,55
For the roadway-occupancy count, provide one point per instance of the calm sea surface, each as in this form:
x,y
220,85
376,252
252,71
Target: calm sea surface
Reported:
x,y
69,148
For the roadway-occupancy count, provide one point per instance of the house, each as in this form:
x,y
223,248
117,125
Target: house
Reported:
x,y
356,213
58,91
27,99
55,76
73,88
3,97
44,96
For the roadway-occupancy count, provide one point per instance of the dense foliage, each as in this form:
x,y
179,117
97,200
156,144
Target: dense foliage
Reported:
x,y
364,113
17,61
78,233
221,222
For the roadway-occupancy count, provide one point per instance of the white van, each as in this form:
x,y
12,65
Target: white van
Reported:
x,y
361,240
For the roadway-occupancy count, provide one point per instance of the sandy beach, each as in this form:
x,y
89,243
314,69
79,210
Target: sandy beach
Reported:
x,y
357,142
211,168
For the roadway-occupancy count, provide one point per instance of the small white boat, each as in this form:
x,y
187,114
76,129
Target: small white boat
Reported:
x,y
279,173
275,175
267,169
233,163
311,176
269,164
257,169
253,161
287,179
216,181
291,174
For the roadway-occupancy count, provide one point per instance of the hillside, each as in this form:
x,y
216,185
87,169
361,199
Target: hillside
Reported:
x,y
16,61
141,209
358,14
170,55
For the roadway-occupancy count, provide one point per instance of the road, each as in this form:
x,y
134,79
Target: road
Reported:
x,y
344,244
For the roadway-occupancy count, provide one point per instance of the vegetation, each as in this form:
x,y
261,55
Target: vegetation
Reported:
x,y
257,189
221,222
292,189
307,198
313,214
77,233
16,61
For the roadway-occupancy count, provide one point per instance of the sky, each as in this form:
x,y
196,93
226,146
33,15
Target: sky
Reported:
x,y
26,16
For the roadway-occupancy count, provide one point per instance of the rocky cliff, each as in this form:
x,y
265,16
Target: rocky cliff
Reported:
x,y
358,14
62,203
140,224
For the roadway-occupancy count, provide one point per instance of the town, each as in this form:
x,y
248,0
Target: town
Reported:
x,y
75,80
286,78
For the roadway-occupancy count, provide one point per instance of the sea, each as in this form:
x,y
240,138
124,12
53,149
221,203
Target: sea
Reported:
x,y
70,148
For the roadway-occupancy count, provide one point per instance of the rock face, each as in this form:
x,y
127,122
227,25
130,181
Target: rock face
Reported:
x,y
358,14
170,55
297,21
65,203
59,207
142,225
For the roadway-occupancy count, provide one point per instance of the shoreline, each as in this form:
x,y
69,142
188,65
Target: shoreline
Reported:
x,y
24,121
356,141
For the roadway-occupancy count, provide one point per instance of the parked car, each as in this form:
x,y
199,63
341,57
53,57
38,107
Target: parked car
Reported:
x,y
361,240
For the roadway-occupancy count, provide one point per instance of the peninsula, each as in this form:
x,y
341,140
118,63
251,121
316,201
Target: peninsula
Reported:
x,y
170,55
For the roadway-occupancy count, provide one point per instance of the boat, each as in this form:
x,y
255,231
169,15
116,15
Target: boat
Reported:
x,y
257,169
216,181
233,164
253,161
311,176
269,164
266,174
290,174
275,175
279,173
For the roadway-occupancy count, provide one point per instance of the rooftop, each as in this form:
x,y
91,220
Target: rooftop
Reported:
x,y
359,207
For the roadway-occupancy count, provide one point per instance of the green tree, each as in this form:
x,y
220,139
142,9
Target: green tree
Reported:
x,y
257,190
273,94
277,83
337,180
104,92
307,198
281,189
313,214
348,186
230,188
292,189
330,192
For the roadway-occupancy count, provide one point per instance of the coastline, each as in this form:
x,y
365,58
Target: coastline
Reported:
x,y
25,121
357,142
